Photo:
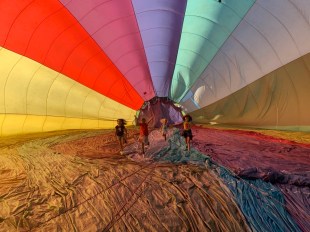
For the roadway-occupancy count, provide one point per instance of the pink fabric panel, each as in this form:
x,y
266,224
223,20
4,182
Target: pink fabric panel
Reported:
x,y
113,25
244,150
252,155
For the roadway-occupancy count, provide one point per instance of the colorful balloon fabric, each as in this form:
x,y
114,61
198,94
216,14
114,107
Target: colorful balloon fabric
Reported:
x,y
79,64
82,64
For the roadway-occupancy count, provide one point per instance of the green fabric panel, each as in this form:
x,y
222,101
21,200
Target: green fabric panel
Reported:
x,y
207,24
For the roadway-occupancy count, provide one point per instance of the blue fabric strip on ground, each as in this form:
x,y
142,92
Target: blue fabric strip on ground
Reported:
x,y
262,203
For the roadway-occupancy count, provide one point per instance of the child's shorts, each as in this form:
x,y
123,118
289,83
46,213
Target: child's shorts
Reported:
x,y
187,133
144,139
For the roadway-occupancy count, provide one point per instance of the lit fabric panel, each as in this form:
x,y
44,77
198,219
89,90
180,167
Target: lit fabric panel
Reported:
x,y
113,25
272,35
14,124
278,100
46,32
160,24
207,24
34,98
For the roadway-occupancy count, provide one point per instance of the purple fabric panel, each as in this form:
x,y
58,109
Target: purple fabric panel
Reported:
x,y
160,24
160,108
172,113
252,155
295,187
113,25
298,204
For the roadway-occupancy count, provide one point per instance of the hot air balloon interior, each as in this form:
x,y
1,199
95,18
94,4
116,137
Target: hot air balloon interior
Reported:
x,y
155,115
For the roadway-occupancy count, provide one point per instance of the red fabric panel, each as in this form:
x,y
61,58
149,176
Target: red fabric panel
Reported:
x,y
113,26
46,32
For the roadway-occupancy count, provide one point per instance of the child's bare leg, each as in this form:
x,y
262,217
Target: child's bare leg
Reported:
x,y
188,143
120,143
142,147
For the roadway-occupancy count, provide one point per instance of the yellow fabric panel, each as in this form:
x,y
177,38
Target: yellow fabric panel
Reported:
x,y
71,123
33,124
53,123
85,124
38,91
7,62
13,124
30,91
277,100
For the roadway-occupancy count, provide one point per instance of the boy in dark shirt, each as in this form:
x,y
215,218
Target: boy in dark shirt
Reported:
x,y
121,133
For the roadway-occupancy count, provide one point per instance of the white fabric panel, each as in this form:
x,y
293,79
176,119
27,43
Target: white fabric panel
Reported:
x,y
272,34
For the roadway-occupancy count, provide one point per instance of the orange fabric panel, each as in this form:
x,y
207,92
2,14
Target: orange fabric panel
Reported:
x,y
46,32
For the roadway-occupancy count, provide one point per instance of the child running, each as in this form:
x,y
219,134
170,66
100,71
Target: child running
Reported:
x,y
121,133
144,133
164,128
187,130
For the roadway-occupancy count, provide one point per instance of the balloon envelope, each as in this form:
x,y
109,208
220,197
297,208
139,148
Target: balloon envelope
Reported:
x,y
82,64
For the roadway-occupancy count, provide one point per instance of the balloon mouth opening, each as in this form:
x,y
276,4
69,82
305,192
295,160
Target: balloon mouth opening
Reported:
x,y
160,108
